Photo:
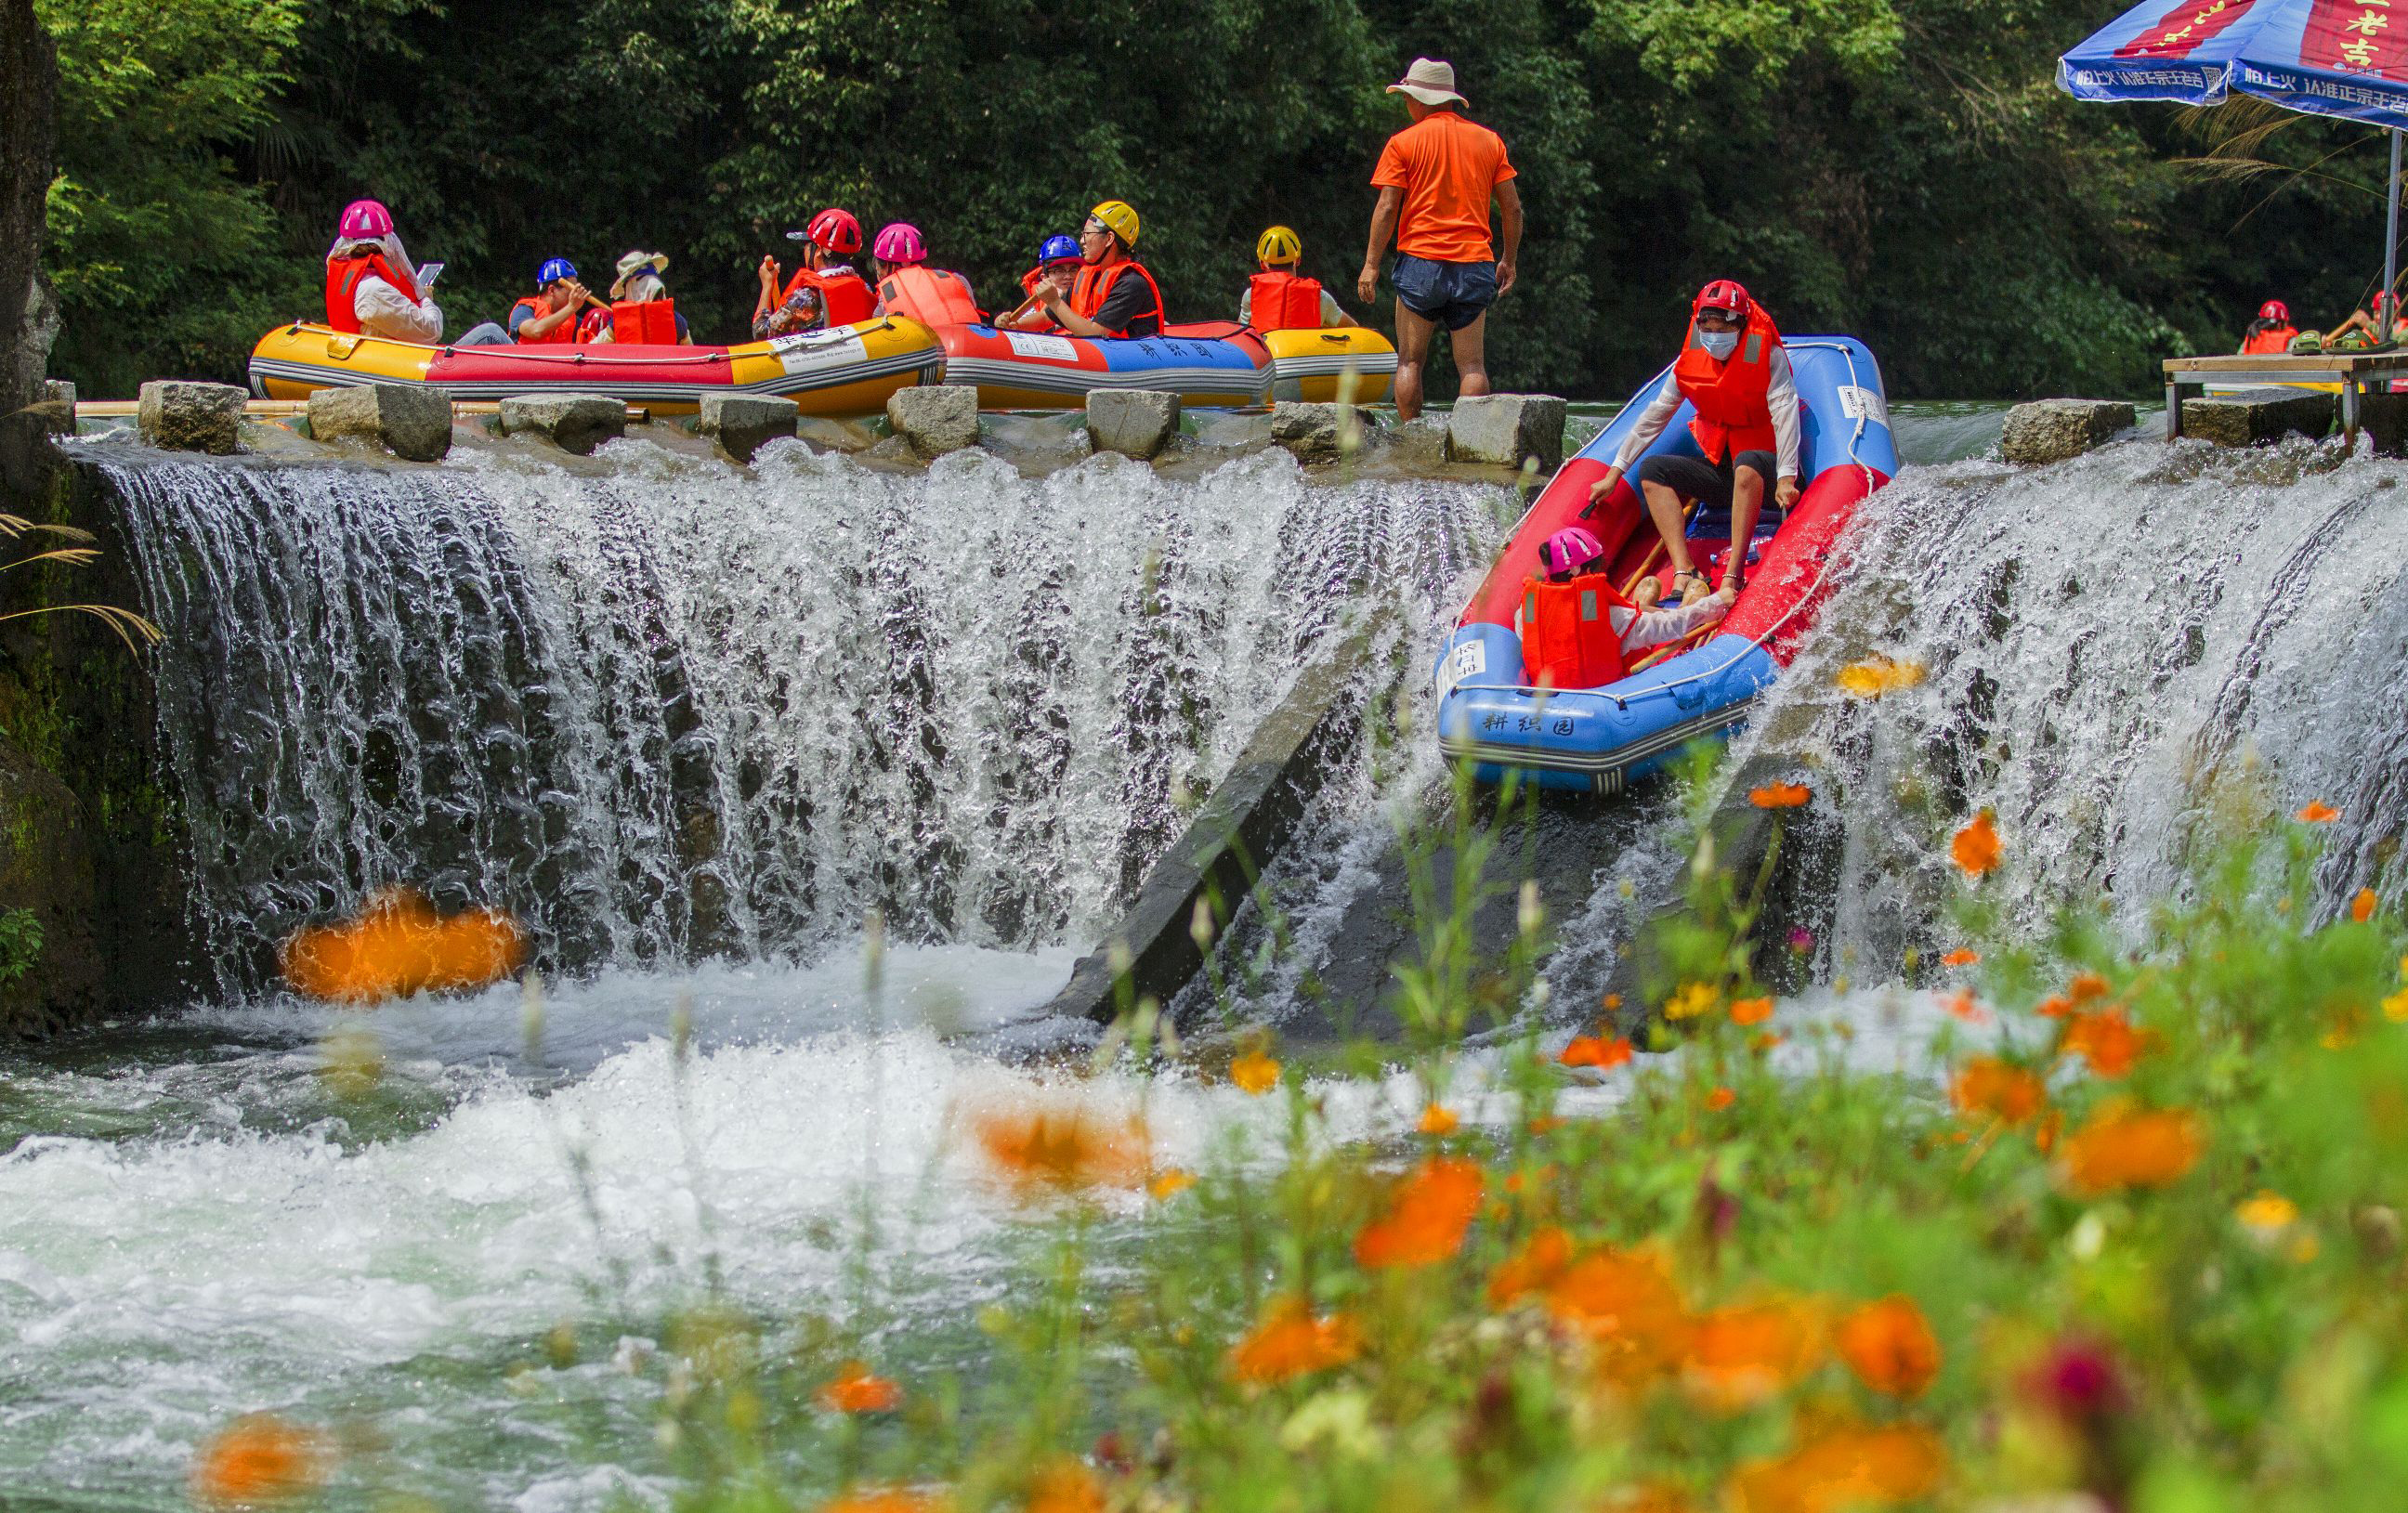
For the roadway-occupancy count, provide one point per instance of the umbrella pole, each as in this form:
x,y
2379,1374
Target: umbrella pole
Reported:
x,y
2391,222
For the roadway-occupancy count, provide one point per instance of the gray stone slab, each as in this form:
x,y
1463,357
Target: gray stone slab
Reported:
x,y
1245,822
1507,431
59,402
1319,432
410,420
1135,422
2258,415
192,416
2385,419
934,419
2053,430
573,423
742,424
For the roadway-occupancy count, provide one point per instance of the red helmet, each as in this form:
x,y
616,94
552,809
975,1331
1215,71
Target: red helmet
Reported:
x,y
2274,309
1723,295
837,231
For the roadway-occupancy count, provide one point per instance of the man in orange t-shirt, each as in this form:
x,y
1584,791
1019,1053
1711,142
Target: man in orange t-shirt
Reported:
x,y
1436,178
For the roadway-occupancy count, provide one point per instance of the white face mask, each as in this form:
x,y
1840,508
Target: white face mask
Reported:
x,y
1719,345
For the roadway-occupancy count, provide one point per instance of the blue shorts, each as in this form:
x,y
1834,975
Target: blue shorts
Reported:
x,y
1454,295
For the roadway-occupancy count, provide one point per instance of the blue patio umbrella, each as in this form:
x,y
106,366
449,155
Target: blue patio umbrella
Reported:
x,y
2346,58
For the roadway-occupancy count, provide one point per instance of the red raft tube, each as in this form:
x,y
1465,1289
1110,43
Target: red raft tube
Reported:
x,y
1598,739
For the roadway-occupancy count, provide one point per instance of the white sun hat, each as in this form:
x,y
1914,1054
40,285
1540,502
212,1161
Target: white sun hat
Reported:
x,y
1430,80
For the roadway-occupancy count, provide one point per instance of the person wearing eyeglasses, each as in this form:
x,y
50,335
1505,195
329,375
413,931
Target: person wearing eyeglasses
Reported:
x,y
1111,294
1057,262
1735,372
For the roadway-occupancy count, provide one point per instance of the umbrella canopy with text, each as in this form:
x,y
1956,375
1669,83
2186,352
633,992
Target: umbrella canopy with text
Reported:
x,y
2329,57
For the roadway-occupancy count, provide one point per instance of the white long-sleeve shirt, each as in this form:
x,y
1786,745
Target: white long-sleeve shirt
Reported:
x,y
1642,628
1779,396
387,312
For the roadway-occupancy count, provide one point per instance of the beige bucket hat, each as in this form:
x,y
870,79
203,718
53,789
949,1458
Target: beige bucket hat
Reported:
x,y
1430,80
636,263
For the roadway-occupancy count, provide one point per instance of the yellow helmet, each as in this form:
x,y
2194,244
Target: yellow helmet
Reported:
x,y
1117,218
1279,245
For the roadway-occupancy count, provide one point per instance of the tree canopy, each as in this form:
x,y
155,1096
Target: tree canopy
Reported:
x,y
1905,170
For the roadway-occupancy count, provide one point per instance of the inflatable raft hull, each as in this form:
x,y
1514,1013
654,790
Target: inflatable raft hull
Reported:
x,y
1214,365
849,370
1598,740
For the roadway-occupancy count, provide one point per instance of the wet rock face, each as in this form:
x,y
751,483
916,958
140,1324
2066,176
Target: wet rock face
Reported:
x,y
176,416
573,423
1135,422
2053,430
1507,431
1317,433
50,972
742,424
414,423
934,419
2246,419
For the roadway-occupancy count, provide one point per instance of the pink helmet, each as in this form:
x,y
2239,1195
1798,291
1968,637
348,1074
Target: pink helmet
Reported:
x,y
837,231
365,221
1569,550
900,243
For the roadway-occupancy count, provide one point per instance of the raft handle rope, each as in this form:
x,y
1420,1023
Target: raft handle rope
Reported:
x,y
1622,701
724,355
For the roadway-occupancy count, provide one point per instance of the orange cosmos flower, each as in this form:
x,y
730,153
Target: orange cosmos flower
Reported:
x,y
1976,847
2000,1090
1291,1342
1427,1218
1169,1183
1961,1004
2054,1006
1720,1099
1437,1119
1738,1357
2361,909
1628,1305
2085,987
1064,1485
886,1499
2123,1146
1254,1072
2106,1040
1890,1347
2318,813
1588,1050
259,1460
855,1391
1066,1146
1542,1259
1876,675
1779,795
1751,1011
397,946
1960,957
1847,1468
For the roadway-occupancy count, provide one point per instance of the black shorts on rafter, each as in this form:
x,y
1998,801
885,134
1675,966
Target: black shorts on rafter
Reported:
x,y
1694,478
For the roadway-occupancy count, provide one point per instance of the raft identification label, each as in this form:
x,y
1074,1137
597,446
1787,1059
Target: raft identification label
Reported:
x,y
1030,343
1467,660
805,350
1862,405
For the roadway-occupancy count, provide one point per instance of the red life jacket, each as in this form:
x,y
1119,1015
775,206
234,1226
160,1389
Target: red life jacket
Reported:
x,y
343,276
1282,302
1096,281
563,334
932,296
1568,635
1734,410
843,297
2273,339
649,323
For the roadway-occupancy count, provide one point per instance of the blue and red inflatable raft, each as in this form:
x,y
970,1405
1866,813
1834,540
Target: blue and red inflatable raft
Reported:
x,y
1598,739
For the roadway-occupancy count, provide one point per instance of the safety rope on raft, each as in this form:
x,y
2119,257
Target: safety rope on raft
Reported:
x,y
579,358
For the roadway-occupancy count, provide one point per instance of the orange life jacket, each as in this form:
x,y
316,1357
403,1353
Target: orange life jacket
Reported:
x,y
1282,302
932,296
343,276
1734,410
2271,340
1096,281
648,322
1568,635
563,334
842,295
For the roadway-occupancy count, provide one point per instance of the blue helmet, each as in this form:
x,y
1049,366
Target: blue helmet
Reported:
x,y
1058,248
554,271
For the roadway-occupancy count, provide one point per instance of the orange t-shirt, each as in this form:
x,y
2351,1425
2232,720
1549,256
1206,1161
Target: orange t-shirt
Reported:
x,y
1449,169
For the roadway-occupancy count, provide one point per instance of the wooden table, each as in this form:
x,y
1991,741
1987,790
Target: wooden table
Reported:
x,y
2353,372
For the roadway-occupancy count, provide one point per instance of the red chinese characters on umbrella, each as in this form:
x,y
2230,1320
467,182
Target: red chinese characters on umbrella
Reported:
x,y
2183,28
2356,37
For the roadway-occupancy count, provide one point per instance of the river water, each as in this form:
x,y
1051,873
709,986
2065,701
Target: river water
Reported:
x,y
697,727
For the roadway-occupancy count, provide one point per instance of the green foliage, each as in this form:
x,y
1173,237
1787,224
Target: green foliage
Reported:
x,y
1904,169
20,944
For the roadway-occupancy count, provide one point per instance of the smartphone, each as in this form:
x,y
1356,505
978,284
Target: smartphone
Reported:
x,y
427,273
